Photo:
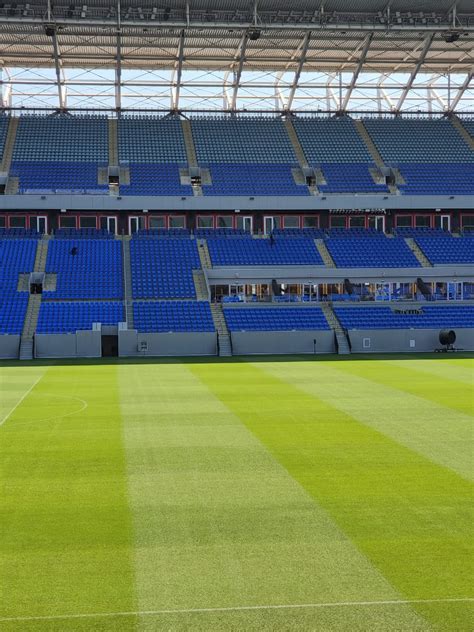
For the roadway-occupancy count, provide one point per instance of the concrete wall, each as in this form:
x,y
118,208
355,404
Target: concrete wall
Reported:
x,y
82,344
404,340
9,347
281,342
166,344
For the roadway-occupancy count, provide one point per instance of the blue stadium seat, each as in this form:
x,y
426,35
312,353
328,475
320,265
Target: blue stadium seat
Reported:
x,y
377,252
275,319
175,316
56,317
247,251
430,317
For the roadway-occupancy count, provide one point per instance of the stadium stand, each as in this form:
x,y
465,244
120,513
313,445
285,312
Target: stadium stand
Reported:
x,y
377,252
162,268
275,319
155,179
85,268
445,250
176,316
438,179
252,179
61,153
429,317
68,317
17,256
247,251
83,233
4,121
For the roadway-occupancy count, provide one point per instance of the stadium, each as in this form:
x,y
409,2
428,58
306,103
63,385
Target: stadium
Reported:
x,y
237,315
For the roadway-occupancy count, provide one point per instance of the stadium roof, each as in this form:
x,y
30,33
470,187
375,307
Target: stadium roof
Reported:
x,y
344,40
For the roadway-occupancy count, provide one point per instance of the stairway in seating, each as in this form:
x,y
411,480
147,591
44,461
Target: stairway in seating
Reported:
x,y
419,254
204,255
324,252
293,136
456,121
223,335
127,281
200,285
113,142
374,152
9,144
190,151
34,303
343,346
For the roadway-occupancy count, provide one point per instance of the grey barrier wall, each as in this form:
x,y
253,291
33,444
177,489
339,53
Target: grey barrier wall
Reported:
x,y
9,347
82,344
405,340
282,342
132,343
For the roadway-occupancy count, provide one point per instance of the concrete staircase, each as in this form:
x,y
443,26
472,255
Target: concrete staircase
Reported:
x,y
9,144
204,255
456,121
127,281
324,252
343,346
189,143
293,136
200,284
34,303
374,152
419,254
223,335
113,142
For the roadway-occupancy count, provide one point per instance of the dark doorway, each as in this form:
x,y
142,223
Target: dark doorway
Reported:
x,y
109,346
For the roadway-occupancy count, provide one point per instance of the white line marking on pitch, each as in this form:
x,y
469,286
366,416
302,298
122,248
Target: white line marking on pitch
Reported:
x,y
20,400
57,417
142,613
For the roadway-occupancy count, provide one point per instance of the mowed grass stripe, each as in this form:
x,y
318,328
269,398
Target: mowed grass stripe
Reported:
x,y
454,370
15,382
219,523
409,516
66,530
443,435
445,391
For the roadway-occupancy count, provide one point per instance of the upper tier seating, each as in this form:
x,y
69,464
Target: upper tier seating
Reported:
x,y
155,179
414,140
442,250
256,179
95,271
69,317
60,153
275,318
469,126
437,179
17,256
4,121
349,178
421,231
151,140
17,233
431,317
162,268
177,316
83,233
247,251
331,140
242,140
378,252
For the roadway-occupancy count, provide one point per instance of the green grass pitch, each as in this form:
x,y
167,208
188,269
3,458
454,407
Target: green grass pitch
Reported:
x,y
252,494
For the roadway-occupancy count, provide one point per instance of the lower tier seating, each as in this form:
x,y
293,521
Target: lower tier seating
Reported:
x,y
440,250
429,317
85,268
12,313
69,317
247,251
163,268
275,318
379,252
349,178
177,316
17,256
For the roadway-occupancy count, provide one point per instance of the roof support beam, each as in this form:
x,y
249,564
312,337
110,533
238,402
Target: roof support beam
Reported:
x,y
238,73
58,68
178,71
301,63
118,62
355,76
454,103
424,51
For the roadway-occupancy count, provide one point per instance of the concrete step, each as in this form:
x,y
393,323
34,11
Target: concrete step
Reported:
x,y
127,283
463,131
113,142
26,349
324,252
204,255
200,285
9,145
189,143
225,345
419,254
